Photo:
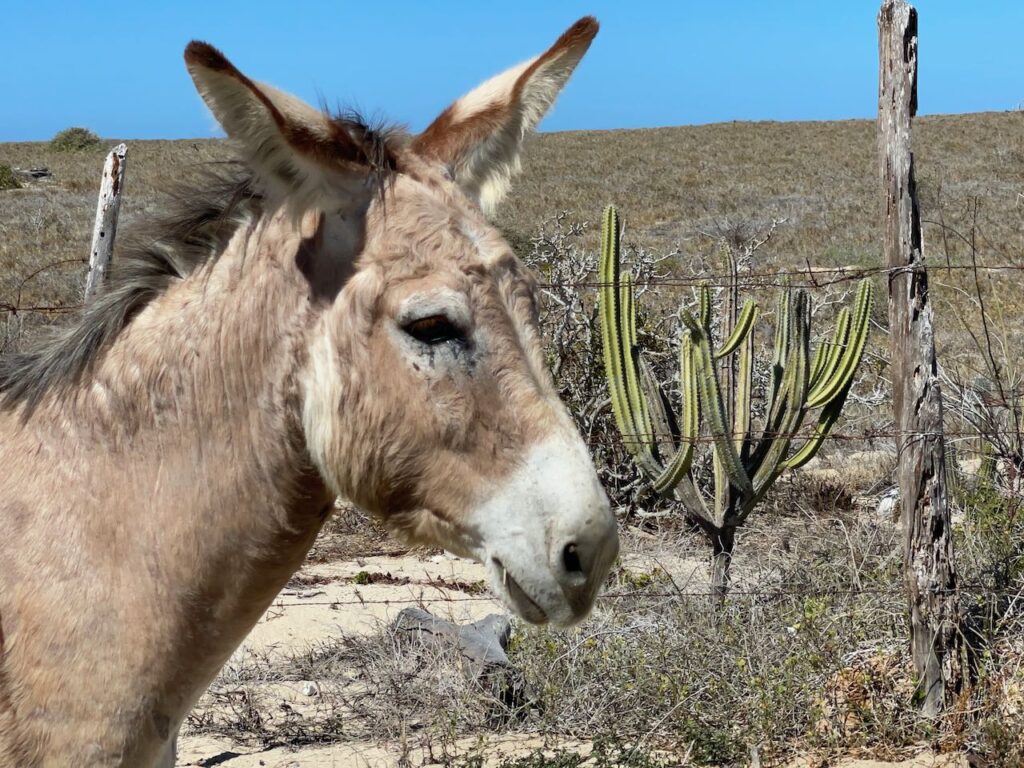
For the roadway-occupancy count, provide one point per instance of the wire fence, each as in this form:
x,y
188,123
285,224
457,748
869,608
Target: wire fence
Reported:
x,y
806,277
443,596
866,434
814,277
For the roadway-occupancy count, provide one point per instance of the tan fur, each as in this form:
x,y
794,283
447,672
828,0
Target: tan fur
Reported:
x,y
151,517
150,513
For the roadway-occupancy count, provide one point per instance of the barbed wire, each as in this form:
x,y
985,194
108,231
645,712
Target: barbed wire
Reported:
x,y
55,309
646,438
974,590
815,279
782,278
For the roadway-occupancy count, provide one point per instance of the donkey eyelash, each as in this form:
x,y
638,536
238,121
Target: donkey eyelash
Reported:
x,y
434,330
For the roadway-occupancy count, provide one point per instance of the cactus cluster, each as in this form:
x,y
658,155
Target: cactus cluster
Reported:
x,y
716,386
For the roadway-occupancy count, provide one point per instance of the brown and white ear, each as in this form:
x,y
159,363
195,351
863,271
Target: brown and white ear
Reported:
x,y
296,150
480,136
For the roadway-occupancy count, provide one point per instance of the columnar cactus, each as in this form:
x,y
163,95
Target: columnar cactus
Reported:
x,y
746,461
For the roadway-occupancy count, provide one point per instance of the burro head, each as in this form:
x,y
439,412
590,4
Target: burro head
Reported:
x,y
425,396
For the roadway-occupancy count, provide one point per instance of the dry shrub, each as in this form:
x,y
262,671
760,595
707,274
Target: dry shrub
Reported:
x,y
571,330
999,697
379,688
822,490
815,656
872,688
668,667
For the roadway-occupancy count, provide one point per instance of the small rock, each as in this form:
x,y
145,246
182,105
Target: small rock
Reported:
x,y
444,557
310,689
481,644
35,173
888,505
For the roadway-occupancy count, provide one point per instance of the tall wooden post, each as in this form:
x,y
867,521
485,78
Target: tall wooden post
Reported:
x,y
930,572
105,227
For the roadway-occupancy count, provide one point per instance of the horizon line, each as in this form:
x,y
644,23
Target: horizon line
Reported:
x,y
710,123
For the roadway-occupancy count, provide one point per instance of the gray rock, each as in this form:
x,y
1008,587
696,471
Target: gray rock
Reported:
x,y
34,173
482,643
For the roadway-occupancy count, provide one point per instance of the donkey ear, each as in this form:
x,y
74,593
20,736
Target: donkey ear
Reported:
x,y
480,136
294,148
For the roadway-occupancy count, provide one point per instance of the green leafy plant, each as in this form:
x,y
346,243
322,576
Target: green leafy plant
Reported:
x,y
74,140
7,178
716,386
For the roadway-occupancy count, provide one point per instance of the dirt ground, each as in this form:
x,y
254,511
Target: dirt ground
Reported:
x,y
200,751
354,585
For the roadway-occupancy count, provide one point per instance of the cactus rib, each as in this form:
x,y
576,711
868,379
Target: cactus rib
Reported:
x,y
610,333
826,420
832,351
713,410
854,350
637,401
744,324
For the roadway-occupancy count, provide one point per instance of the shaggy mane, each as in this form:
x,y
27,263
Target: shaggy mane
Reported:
x,y
195,230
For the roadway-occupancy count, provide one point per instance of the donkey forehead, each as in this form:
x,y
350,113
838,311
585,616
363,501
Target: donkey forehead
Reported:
x,y
452,287
426,219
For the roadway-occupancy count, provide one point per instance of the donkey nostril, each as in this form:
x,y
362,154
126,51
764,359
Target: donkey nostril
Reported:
x,y
571,559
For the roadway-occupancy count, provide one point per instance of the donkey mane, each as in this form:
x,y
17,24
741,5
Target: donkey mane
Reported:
x,y
195,230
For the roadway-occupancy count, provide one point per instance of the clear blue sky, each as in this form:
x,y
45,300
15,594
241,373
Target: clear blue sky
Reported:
x,y
117,69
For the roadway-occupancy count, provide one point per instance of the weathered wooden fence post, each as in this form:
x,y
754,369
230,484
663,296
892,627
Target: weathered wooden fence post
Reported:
x,y
105,228
936,641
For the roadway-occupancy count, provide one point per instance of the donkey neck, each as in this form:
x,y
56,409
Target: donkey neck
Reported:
x,y
199,398
193,496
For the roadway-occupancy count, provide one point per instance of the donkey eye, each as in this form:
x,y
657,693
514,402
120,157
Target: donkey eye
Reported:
x,y
436,329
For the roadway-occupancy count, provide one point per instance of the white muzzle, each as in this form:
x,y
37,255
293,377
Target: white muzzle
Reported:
x,y
548,536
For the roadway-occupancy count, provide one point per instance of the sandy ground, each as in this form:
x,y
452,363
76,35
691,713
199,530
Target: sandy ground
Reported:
x,y
359,596
364,595
329,600
354,754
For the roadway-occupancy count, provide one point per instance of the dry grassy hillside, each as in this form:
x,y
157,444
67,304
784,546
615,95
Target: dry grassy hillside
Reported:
x,y
678,188
673,185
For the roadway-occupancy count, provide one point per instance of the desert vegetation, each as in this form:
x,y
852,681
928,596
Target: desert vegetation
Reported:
x,y
8,180
807,655
74,139
716,382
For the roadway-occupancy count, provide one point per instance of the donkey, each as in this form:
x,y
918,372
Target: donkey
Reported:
x,y
335,316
